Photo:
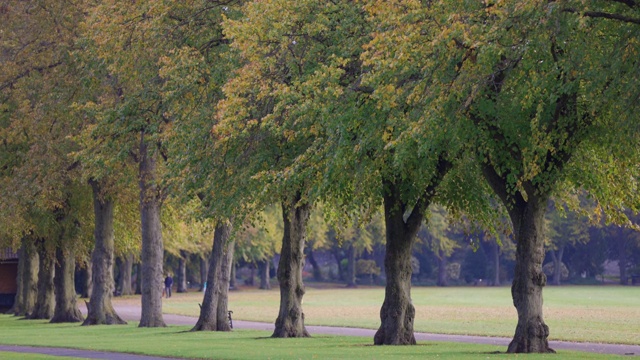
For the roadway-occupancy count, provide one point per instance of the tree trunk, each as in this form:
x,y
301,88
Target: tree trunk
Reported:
x,y
66,308
317,272
290,321
397,313
152,248
336,255
527,218
126,270
87,286
622,258
351,267
496,263
100,311
233,281
443,277
138,288
45,301
213,311
556,256
28,280
203,273
264,274
223,285
182,273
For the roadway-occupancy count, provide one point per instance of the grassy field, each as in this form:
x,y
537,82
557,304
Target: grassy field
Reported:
x,y
608,314
177,341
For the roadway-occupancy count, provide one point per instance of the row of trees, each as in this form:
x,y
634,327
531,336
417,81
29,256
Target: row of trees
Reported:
x,y
489,109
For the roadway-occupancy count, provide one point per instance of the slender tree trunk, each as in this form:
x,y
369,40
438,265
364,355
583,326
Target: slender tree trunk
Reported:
x,y
290,321
351,267
66,309
336,255
87,284
317,272
138,288
100,311
152,248
496,264
528,224
117,277
556,256
126,270
622,259
45,300
443,278
264,274
397,313
29,263
223,285
203,273
233,281
182,272
214,305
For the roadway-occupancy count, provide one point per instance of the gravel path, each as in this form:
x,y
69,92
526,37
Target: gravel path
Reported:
x,y
132,313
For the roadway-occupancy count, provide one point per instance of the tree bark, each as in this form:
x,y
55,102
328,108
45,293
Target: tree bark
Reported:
x,y
443,277
182,273
126,270
264,274
317,272
290,321
213,311
152,247
28,264
531,333
100,311
66,308
45,301
351,267
397,313
204,269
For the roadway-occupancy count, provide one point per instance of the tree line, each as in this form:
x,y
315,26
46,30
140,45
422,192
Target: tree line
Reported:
x,y
191,118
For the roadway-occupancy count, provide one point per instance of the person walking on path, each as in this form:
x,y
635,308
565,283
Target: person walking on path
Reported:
x,y
168,282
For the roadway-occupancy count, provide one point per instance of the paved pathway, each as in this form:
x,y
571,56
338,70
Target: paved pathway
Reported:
x,y
132,313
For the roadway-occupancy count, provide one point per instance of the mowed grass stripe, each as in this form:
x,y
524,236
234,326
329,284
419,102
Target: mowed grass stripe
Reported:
x,y
177,341
609,314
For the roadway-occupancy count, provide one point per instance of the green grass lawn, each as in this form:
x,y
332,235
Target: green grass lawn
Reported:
x,y
177,341
609,314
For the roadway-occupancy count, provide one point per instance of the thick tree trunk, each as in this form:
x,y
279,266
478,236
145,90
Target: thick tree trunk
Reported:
x,y
45,300
528,225
397,313
496,263
182,273
152,248
264,274
126,270
213,311
66,308
443,278
204,269
290,321
317,272
28,280
100,311
351,267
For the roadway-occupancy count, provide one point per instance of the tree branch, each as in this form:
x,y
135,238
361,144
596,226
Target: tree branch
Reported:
x,y
604,15
40,69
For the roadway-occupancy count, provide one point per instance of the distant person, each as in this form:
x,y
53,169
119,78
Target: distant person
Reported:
x,y
168,282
